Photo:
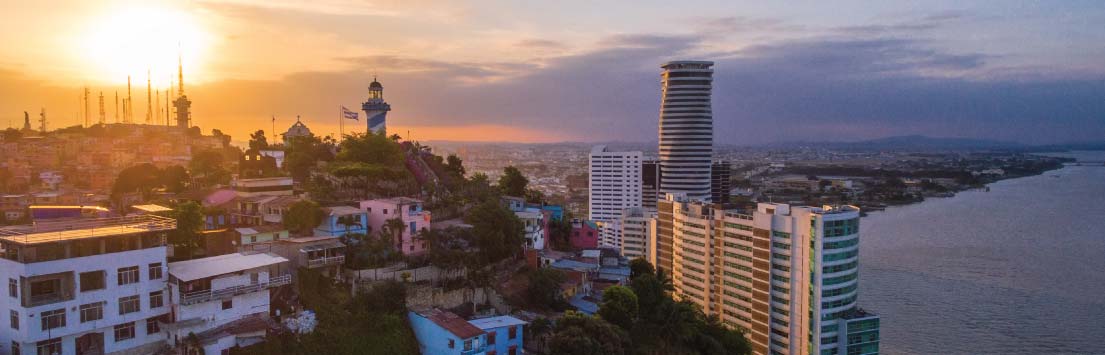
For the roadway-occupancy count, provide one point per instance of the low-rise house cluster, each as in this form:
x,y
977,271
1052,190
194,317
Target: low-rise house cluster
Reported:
x,y
441,332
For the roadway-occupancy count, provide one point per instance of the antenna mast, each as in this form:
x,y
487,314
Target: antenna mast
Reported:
x,y
103,116
149,99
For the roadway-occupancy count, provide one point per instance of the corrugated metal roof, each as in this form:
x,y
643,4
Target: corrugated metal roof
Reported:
x,y
196,269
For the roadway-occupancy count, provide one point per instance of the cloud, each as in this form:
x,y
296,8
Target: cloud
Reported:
x,y
538,43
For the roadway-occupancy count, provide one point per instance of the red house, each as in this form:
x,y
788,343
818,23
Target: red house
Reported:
x,y
585,234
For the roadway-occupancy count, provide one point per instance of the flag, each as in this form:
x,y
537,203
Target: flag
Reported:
x,y
353,115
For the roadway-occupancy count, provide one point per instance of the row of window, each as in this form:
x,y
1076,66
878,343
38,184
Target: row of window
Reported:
x,y
122,332
56,318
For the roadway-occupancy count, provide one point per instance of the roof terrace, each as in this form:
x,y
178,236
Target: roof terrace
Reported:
x,y
85,228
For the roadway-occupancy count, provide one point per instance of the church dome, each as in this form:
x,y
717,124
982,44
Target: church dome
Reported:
x,y
375,85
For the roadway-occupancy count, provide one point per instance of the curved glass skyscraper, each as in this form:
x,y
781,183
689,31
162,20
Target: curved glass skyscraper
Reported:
x,y
686,128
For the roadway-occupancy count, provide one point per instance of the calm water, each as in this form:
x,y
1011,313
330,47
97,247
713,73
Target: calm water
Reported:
x,y
1017,270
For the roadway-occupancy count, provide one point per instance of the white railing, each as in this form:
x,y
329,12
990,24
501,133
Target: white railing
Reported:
x,y
207,295
86,227
320,262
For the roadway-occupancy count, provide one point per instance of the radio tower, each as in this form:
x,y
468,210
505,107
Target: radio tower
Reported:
x,y
103,116
116,106
42,121
149,99
128,108
182,103
87,116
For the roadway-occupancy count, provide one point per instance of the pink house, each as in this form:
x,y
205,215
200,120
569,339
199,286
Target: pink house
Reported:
x,y
585,234
407,210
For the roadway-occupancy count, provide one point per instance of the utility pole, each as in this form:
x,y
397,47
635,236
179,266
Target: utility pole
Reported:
x,y
116,106
129,106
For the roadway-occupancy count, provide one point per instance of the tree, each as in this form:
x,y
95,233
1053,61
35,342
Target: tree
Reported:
x,y
619,306
498,232
544,287
372,149
174,178
639,266
207,167
189,222
454,166
534,196
141,178
579,334
303,216
257,141
513,183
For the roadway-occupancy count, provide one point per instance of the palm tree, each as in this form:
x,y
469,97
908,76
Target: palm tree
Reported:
x,y
349,220
394,227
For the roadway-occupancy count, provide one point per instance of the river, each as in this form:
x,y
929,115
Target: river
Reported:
x,y
1016,270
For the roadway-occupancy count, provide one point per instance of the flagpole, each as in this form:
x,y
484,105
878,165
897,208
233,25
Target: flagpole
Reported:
x,y
341,123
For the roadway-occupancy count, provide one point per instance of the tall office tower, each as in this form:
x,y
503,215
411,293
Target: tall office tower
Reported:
x,y
376,109
650,183
788,275
719,181
614,183
686,128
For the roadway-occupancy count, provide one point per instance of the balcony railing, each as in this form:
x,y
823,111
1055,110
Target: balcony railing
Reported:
x,y
191,298
320,262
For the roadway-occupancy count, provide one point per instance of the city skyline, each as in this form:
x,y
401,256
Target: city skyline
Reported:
x,y
571,72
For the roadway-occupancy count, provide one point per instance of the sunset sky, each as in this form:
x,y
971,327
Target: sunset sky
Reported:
x,y
576,70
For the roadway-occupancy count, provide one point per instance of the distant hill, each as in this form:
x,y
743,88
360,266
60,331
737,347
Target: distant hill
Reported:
x,y
913,142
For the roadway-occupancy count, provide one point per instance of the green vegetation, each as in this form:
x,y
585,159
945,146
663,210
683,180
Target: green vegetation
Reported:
x,y
207,167
543,291
498,232
185,239
654,322
513,183
303,216
374,322
145,178
371,164
370,251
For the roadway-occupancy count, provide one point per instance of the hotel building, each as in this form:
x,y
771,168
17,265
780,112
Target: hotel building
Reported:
x,y
787,275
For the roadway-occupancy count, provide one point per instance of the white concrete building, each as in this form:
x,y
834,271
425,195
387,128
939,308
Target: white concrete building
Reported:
x,y
635,226
768,270
85,286
223,300
614,182
686,128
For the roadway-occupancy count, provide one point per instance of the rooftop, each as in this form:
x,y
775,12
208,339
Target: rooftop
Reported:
x,y
450,322
196,269
342,210
75,229
151,208
496,322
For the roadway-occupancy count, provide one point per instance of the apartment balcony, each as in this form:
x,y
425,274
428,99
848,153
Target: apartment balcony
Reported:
x,y
191,298
323,262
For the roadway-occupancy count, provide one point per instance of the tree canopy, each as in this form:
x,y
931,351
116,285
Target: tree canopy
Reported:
x,y
619,306
303,216
579,334
513,183
189,223
498,232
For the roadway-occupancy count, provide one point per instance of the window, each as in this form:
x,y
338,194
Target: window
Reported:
x,y
45,290
467,344
152,327
13,288
156,299
228,304
53,319
385,211
491,338
15,348
513,350
92,280
128,275
92,311
49,347
129,304
253,239
155,271
15,320
124,331
512,332
451,343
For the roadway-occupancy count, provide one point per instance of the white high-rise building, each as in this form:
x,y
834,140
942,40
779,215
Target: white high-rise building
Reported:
x,y
635,227
787,275
90,286
686,128
614,182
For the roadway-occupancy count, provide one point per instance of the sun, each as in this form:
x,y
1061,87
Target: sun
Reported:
x,y
131,40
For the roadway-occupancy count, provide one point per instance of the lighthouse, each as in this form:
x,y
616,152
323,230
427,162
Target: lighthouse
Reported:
x,y
376,109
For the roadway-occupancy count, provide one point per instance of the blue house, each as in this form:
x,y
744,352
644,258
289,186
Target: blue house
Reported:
x,y
444,333
504,334
342,220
